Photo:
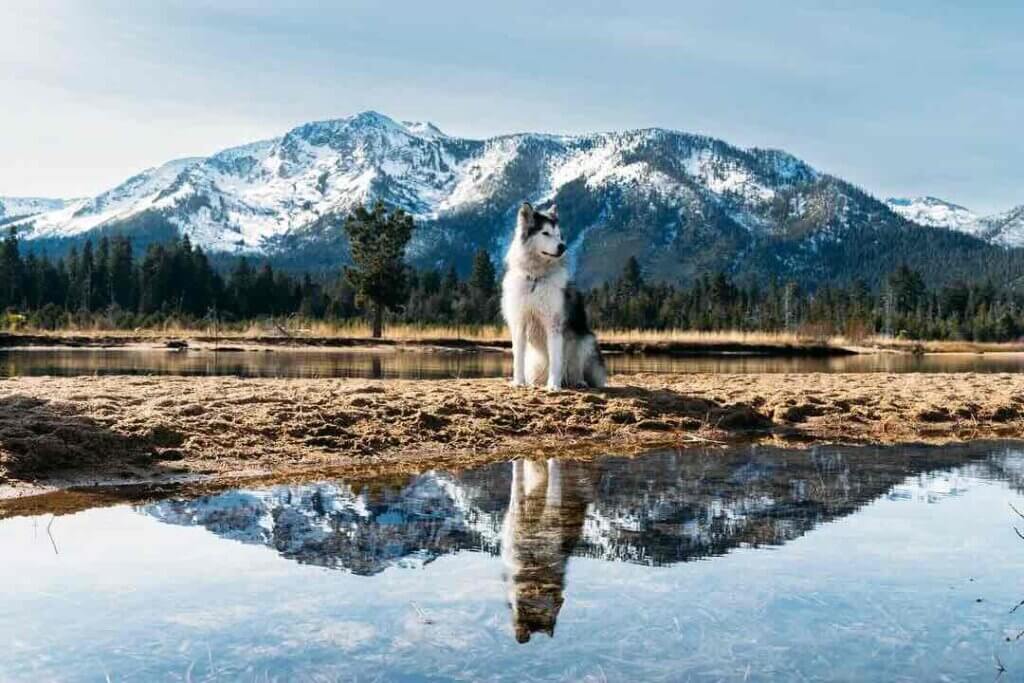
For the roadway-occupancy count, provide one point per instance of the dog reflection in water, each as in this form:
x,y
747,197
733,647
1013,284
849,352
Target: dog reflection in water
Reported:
x,y
543,524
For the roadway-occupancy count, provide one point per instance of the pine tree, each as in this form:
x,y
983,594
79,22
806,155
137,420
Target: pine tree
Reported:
x,y
908,288
10,270
241,288
632,279
483,289
120,272
482,279
377,241
86,267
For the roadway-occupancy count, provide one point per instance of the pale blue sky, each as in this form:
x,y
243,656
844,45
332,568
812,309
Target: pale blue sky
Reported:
x,y
901,98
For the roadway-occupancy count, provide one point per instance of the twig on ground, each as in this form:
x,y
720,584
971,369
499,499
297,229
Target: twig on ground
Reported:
x,y
1019,514
422,615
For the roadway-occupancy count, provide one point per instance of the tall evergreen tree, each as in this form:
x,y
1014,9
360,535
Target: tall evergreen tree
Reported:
x,y
86,272
377,241
482,279
120,272
10,270
482,304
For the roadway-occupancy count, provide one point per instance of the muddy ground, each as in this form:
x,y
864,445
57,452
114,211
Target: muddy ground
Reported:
x,y
59,432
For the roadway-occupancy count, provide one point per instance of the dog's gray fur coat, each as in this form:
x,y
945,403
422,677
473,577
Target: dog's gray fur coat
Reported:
x,y
550,338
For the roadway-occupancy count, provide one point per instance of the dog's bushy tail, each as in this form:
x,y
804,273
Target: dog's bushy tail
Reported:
x,y
594,372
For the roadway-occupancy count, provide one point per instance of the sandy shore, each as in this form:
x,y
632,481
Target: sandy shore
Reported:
x,y
59,432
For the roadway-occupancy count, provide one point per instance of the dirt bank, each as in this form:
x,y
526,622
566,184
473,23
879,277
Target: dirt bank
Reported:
x,y
67,431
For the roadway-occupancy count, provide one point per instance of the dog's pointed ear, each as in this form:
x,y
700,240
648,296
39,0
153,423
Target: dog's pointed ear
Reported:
x,y
553,211
526,220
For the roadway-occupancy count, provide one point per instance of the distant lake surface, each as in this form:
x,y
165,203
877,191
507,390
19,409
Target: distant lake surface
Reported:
x,y
433,364
750,564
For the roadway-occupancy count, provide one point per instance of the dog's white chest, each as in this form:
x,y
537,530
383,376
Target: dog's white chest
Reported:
x,y
543,298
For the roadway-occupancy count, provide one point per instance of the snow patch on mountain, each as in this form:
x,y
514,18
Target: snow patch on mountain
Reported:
x,y
20,207
609,160
137,194
423,129
1005,229
723,176
933,212
478,178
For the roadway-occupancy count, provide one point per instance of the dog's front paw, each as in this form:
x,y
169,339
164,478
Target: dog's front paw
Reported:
x,y
517,383
553,387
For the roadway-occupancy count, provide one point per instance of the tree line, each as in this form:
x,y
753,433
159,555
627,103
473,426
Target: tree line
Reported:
x,y
107,284
902,305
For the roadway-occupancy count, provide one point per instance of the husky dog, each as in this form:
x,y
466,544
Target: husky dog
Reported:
x,y
550,337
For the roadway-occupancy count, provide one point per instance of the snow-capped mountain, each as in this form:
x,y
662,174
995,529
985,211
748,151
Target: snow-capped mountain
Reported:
x,y
683,204
13,208
242,198
336,526
933,212
1004,229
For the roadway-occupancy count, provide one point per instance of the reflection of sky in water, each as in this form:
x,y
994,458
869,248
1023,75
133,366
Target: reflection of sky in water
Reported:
x,y
311,363
887,592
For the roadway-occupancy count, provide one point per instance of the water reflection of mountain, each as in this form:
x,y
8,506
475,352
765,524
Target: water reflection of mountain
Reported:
x,y
362,530
658,509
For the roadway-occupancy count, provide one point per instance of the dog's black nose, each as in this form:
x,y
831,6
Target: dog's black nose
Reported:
x,y
561,249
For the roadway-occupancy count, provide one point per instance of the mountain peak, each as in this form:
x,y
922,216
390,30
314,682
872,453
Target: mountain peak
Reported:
x,y
372,118
933,212
926,200
424,129
1005,229
322,132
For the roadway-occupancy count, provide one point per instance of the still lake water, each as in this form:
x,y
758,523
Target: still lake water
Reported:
x,y
750,564
444,365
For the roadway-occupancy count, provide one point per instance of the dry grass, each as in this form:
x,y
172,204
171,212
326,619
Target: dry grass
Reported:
x,y
294,327
407,332
357,329
935,346
721,337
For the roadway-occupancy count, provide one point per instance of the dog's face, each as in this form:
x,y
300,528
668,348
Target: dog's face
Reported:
x,y
540,232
